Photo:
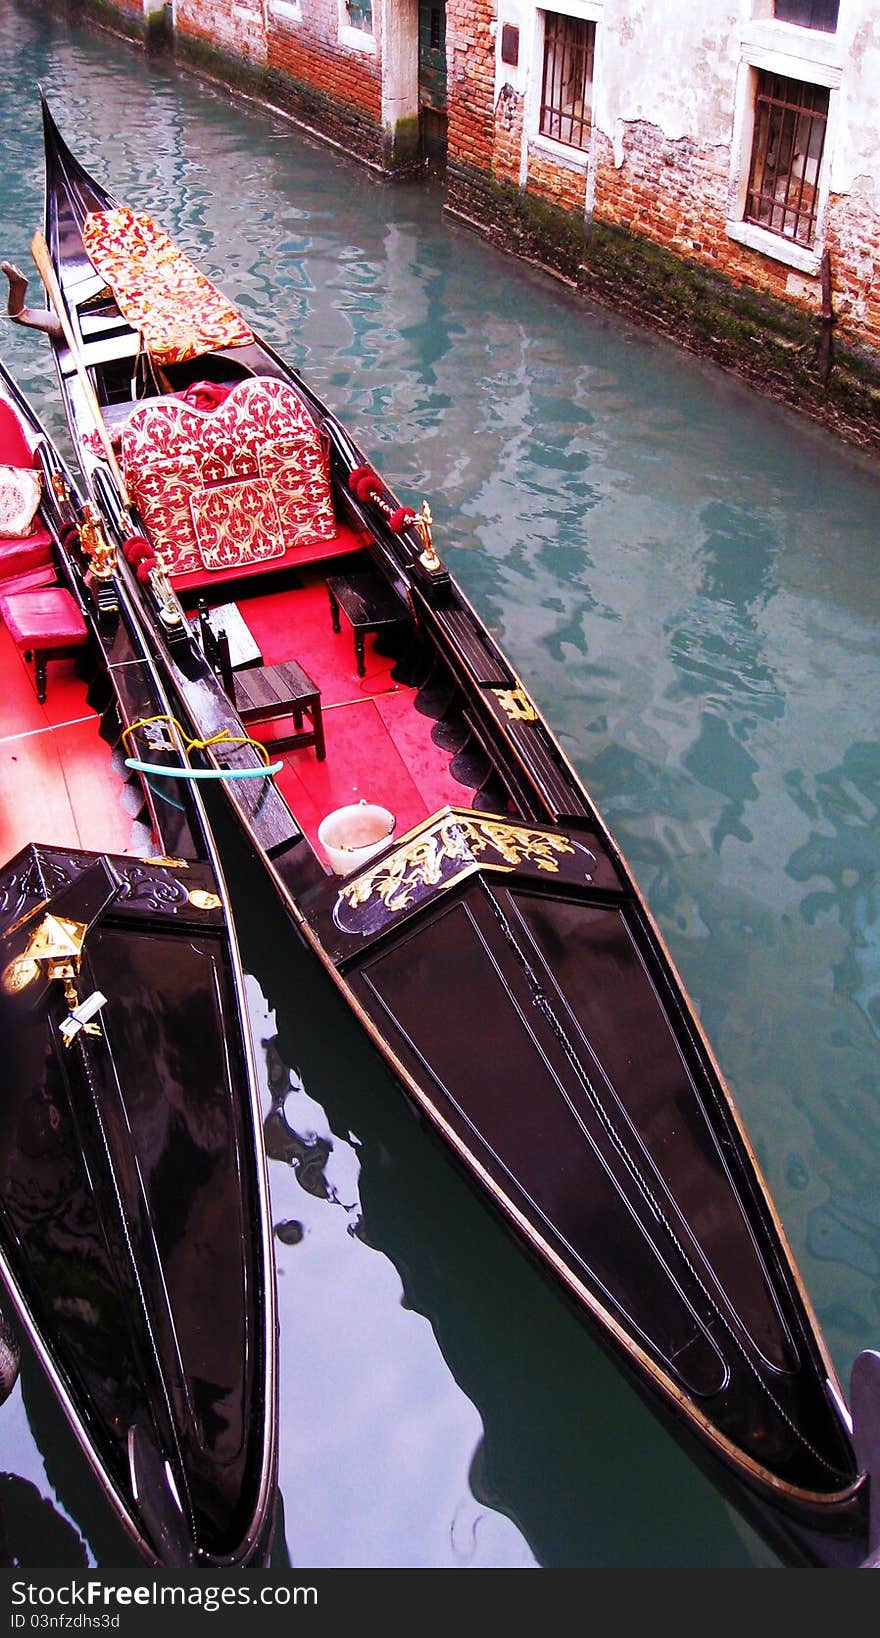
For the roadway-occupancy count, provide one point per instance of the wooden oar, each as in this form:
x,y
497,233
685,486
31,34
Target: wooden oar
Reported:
x,y
43,260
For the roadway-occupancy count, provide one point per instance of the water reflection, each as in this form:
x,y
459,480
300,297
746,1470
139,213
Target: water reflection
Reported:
x,y
354,1352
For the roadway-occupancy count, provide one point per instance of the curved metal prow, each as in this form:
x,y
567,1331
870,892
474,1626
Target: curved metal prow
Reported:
x,y
864,1398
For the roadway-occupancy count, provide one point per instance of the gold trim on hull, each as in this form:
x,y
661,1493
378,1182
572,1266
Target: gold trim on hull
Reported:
x,y
438,854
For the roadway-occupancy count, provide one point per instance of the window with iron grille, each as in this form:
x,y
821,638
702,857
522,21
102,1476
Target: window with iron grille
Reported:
x,y
567,84
808,13
790,120
360,14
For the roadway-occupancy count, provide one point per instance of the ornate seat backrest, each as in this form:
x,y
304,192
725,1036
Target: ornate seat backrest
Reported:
x,y
240,486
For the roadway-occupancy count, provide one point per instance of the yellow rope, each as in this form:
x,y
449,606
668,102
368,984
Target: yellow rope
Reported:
x,y
189,744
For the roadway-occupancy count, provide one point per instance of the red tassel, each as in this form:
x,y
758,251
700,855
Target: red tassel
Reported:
x,y
401,519
135,549
144,568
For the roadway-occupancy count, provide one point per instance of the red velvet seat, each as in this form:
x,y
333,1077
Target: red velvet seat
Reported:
x,y
21,553
44,623
14,447
238,490
29,579
22,556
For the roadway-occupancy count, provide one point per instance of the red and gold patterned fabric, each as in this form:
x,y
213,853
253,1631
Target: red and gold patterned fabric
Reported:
x,y
241,485
179,312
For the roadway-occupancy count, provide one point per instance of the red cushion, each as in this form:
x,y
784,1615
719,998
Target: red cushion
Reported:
x,y
344,541
14,447
28,552
29,581
43,619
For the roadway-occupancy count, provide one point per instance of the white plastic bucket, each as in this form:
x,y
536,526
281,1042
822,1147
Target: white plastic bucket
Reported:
x,y
351,835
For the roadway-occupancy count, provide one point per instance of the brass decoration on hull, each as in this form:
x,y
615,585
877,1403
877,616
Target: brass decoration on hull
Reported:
x,y
94,542
435,857
515,704
202,900
55,945
19,974
424,524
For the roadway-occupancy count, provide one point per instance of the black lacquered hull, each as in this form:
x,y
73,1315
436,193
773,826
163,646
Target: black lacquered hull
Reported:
x,y
528,1004
130,1200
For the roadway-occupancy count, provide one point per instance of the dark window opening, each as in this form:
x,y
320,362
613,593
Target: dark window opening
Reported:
x,y
790,121
360,14
808,13
567,84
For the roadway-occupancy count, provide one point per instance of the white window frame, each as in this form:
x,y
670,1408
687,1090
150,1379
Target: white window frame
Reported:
x,y
285,11
803,54
357,39
587,11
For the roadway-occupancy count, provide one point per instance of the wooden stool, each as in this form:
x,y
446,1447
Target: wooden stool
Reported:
x,y
267,693
368,602
46,624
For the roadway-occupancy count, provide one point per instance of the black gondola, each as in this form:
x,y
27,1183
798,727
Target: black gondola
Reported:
x,y
496,949
135,1233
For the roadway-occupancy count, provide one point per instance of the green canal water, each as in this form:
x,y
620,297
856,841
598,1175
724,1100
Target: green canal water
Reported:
x,y
687,577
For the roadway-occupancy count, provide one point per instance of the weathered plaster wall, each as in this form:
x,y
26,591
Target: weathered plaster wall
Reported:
x,y
672,134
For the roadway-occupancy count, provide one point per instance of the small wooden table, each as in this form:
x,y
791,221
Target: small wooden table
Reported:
x,y
244,650
269,693
368,603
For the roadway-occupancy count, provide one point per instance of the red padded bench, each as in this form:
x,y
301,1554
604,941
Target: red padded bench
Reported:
x,y
45,624
26,561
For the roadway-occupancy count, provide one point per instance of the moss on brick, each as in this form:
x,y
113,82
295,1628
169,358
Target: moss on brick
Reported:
x,y
105,14
402,149
770,343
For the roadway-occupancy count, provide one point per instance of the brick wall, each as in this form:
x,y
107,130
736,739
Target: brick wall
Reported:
x,y
298,65
120,16
853,238
507,136
309,53
562,185
470,65
675,194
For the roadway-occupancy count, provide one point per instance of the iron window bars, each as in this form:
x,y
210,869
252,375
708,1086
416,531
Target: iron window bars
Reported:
x,y
790,121
569,46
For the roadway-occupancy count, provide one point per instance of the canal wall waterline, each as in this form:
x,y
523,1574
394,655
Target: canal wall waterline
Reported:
x,y
773,345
